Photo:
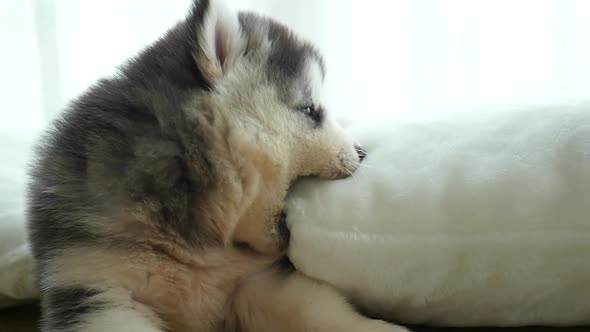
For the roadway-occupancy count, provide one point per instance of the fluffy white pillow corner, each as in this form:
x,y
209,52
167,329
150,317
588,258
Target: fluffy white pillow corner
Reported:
x,y
482,219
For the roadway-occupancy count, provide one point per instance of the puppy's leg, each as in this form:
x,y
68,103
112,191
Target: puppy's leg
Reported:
x,y
77,309
290,302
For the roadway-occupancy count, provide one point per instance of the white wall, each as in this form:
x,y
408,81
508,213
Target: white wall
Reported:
x,y
385,58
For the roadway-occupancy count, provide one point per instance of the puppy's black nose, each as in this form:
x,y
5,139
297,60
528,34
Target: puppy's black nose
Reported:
x,y
362,153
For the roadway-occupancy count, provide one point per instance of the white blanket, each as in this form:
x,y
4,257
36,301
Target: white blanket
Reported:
x,y
478,219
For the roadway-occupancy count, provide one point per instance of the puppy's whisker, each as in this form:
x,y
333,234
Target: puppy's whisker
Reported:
x,y
350,173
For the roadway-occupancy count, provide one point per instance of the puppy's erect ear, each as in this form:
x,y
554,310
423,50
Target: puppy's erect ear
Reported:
x,y
218,40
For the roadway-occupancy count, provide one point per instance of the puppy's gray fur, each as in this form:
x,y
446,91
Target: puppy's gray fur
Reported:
x,y
154,198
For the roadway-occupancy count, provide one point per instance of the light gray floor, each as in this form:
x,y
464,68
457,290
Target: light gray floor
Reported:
x,y
25,319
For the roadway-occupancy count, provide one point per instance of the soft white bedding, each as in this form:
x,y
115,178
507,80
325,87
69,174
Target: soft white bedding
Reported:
x,y
476,219
16,278
480,219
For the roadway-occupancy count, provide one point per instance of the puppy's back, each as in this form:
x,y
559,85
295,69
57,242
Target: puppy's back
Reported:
x,y
110,178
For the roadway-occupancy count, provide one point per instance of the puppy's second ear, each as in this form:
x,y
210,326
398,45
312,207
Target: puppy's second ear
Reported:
x,y
218,40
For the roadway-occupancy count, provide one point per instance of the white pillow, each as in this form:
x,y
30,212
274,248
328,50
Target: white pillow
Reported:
x,y
478,219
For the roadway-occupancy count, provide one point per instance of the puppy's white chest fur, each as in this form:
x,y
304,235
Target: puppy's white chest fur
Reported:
x,y
195,297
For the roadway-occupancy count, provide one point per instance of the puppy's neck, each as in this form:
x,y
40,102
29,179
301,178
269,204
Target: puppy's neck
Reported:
x,y
249,190
258,193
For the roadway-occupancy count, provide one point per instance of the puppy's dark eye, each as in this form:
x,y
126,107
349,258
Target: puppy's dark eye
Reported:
x,y
308,110
314,113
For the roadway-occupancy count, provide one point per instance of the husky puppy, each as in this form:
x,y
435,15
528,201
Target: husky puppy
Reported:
x,y
155,201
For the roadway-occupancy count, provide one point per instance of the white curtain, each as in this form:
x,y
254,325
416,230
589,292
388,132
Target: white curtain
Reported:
x,y
385,57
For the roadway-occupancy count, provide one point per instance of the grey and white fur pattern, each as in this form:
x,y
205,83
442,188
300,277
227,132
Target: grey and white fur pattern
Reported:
x,y
155,201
